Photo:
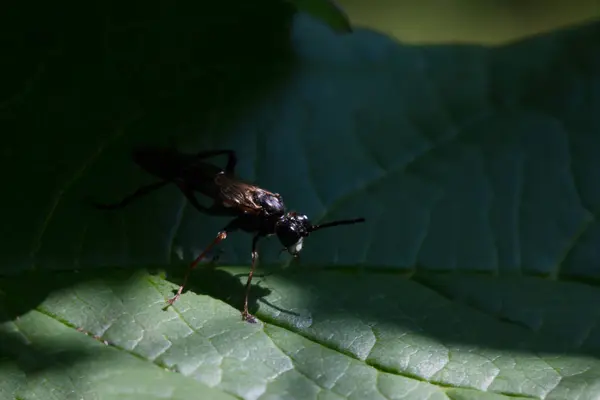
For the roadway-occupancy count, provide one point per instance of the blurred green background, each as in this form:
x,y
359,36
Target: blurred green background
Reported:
x,y
467,21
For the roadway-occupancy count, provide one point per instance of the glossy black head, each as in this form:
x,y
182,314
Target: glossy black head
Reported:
x,y
292,228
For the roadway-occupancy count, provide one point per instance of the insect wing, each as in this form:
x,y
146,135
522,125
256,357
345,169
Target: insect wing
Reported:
x,y
238,194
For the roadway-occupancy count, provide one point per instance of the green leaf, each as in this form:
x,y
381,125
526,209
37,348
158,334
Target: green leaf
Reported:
x,y
474,277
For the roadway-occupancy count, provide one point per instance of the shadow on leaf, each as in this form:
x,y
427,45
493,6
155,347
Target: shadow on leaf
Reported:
x,y
37,358
219,284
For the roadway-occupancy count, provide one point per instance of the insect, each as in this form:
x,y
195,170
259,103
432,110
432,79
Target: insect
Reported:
x,y
254,210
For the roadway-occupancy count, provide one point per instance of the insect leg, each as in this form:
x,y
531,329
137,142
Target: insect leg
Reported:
x,y
220,236
231,158
232,226
144,190
246,316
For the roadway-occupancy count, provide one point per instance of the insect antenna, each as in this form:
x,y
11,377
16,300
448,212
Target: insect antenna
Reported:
x,y
336,223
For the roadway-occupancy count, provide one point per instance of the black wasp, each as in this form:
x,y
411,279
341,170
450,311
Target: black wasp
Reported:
x,y
255,210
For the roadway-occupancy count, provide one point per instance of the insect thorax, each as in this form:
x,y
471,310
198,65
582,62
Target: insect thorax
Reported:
x,y
271,203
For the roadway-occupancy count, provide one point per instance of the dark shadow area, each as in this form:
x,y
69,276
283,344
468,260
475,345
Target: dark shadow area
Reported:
x,y
37,358
25,292
81,78
172,58
219,284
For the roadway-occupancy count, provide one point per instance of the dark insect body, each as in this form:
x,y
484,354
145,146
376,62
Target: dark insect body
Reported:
x,y
254,210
